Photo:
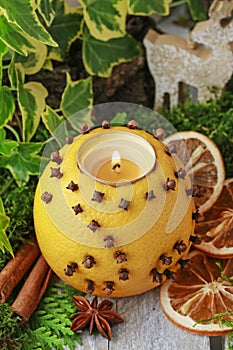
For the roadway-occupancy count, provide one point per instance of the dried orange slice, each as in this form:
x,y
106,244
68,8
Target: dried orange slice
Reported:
x,y
204,162
216,229
199,293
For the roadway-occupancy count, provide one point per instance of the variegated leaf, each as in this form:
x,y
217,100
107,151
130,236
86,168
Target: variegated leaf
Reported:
x,y
100,57
23,162
31,98
14,37
35,59
55,124
65,28
105,19
46,10
4,223
6,146
77,96
3,48
51,119
142,8
7,105
12,73
21,14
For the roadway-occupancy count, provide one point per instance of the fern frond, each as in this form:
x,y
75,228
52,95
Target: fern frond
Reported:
x,y
49,326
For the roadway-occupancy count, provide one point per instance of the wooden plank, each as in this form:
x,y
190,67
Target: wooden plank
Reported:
x,y
145,328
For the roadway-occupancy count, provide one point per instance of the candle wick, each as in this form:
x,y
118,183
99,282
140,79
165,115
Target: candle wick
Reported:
x,y
116,167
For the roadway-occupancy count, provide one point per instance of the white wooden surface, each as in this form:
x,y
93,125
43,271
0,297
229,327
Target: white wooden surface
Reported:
x,y
145,328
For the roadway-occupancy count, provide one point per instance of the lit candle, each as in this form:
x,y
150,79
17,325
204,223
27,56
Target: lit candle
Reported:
x,y
117,169
116,157
116,162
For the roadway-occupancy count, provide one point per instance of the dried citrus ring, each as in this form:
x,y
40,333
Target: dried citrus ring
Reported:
x,y
203,160
199,293
216,230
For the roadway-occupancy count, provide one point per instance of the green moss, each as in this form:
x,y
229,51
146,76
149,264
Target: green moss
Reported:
x,y
18,204
10,337
214,119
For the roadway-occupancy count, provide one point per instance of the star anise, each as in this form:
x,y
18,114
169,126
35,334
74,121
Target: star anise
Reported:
x,y
94,315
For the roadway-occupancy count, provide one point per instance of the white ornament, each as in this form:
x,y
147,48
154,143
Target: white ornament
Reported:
x,y
204,60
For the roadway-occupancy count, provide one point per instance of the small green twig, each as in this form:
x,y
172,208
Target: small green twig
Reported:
x,y
14,132
49,140
223,276
218,318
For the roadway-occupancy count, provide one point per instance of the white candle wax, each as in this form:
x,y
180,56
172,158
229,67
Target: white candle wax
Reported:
x,y
135,153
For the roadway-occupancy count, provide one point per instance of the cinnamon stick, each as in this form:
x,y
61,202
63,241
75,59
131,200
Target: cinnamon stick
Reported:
x,y
33,289
16,268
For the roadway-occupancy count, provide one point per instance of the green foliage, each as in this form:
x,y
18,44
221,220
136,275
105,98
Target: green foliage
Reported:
x,y
213,119
49,326
105,18
20,14
114,53
23,162
230,341
64,27
197,9
7,105
6,146
10,337
220,318
119,119
76,96
223,320
4,223
18,203
138,7
223,276
13,37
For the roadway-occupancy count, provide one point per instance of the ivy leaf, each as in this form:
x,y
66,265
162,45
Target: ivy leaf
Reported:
x,y
105,19
119,119
76,96
3,49
197,9
65,28
142,8
4,222
51,119
46,10
31,98
55,124
6,146
35,59
21,13
14,37
115,51
23,162
7,105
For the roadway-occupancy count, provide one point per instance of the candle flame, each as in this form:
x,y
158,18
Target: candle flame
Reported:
x,y
116,162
